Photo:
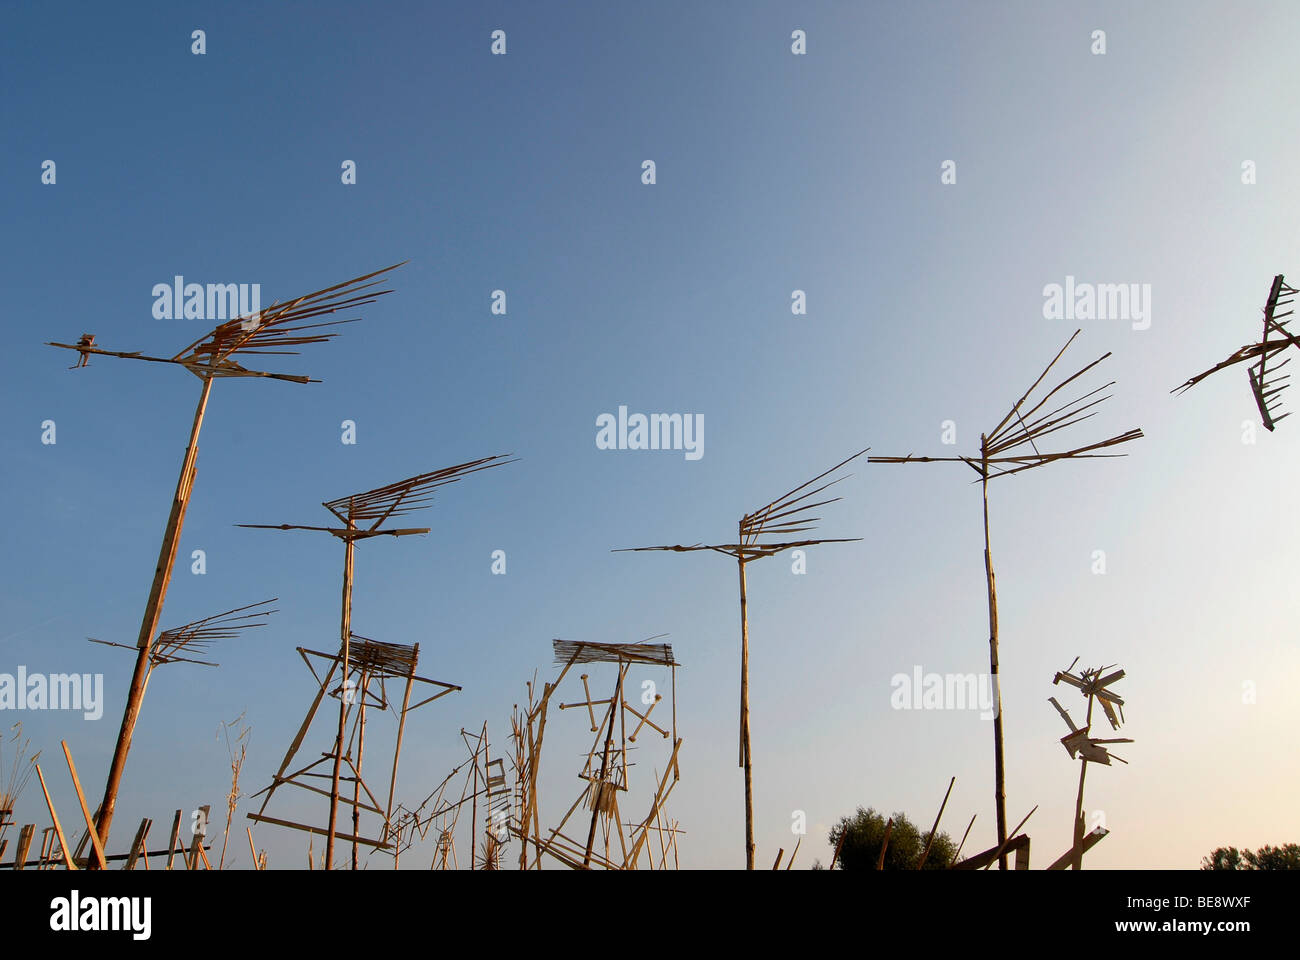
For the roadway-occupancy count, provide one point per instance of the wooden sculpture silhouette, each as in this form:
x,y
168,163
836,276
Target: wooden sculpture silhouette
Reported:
x,y
270,331
783,516
1009,448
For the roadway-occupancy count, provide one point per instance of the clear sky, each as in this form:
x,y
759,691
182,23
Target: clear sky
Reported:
x,y
775,172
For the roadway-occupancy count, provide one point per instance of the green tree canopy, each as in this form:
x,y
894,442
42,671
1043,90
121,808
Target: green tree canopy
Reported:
x,y
864,834
1285,857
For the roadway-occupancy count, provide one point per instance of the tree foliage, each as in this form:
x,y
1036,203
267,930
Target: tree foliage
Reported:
x,y
1285,857
864,834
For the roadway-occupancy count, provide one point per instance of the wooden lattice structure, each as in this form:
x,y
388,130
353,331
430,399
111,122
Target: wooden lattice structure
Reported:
x,y
784,516
1266,383
1012,447
275,330
358,677
606,768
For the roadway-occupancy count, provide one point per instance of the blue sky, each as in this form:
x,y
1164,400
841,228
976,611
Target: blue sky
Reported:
x,y
775,172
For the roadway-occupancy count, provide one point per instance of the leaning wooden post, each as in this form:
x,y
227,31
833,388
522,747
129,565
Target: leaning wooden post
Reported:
x,y
85,811
925,854
745,760
880,861
153,610
345,629
58,827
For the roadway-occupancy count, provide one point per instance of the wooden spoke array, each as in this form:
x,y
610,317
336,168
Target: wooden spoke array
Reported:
x,y
1011,447
270,331
1266,383
195,637
785,516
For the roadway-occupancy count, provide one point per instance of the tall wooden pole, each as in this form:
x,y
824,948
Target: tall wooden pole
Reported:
x,y
152,612
744,717
345,629
999,770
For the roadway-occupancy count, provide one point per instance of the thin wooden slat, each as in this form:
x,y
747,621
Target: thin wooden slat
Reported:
x,y
85,810
54,817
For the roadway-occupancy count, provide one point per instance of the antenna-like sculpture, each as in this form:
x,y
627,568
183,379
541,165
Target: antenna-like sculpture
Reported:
x,y
1009,448
1265,390
786,515
363,516
271,331
1079,742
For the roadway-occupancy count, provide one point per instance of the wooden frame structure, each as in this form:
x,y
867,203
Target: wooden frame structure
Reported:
x,y
439,810
363,666
363,515
786,515
1080,743
1266,391
606,767
271,331
1009,448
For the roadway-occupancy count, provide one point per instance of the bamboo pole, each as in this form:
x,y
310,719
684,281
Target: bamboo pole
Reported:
x,y
361,748
597,788
745,760
1076,860
152,612
397,751
473,807
961,845
345,629
925,854
999,769
171,842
